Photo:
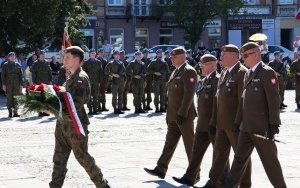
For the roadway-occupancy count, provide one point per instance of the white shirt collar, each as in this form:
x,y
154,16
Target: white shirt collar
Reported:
x,y
255,66
230,69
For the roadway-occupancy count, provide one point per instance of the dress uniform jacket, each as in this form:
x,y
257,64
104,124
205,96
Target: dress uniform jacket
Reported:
x,y
207,102
181,89
258,112
229,94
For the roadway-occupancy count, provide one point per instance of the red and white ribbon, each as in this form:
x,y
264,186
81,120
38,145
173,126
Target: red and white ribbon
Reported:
x,y
73,113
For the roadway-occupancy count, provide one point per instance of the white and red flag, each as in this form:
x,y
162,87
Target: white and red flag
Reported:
x,y
298,14
66,41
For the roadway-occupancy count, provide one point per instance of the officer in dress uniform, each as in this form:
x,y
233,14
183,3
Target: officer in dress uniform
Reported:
x,y
230,89
12,81
258,114
181,111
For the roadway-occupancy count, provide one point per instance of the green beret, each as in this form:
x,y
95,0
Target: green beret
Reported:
x,y
230,48
248,46
178,50
207,58
74,49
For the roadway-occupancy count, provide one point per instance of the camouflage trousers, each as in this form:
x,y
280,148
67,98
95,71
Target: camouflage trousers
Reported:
x,y
67,140
117,89
93,102
11,91
138,93
147,92
125,92
102,91
297,92
281,88
159,89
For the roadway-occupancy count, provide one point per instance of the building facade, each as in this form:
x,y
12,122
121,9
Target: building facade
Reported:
x,y
133,24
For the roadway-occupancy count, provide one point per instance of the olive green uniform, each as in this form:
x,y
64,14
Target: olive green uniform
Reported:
x,y
278,67
93,68
117,86
159,86
12,77
62,75
103,85
137,68
67,140
127,85
41,72
295,68
149,79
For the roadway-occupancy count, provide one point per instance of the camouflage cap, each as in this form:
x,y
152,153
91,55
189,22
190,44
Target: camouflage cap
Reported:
x,y
248,46
178,50
137,53
74,49
207,58
230,48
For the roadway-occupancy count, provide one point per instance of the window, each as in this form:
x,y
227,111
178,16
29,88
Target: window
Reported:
x,y
115,2
285,2
140,7
164,2
116,38
249,2
165,36
141,38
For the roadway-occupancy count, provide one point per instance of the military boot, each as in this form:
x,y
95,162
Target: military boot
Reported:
x,y
298,105
156,109
162,109
99,109
16,113
137,110
125,108
120,111
90,111
148,107
142,111
95,111
103,107
9,112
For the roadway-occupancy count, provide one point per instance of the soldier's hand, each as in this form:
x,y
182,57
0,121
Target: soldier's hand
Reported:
x,y
212,129
137,76
235,128
274,129
4,88
157,73
116,75
180,120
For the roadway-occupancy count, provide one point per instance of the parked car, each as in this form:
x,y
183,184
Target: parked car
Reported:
x,y
53,51
152,51
283,51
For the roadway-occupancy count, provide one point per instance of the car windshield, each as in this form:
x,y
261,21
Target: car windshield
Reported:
x,y
273,49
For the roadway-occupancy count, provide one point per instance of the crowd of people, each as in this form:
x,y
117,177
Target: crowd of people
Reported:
x,y
234,104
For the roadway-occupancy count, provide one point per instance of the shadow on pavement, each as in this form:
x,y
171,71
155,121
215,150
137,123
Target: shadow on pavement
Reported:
x,y
5,119
154,114
163,184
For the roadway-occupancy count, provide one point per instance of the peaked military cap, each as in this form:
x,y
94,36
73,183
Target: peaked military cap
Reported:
x,y
207,58
178,50
248,46
230,48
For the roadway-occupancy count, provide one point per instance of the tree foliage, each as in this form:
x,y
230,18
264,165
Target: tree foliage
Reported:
x,y
37,22
192,15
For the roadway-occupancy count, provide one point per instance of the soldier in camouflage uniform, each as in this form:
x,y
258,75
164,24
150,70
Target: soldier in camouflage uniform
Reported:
x,y
278,67
137,70
11,83
160,70
41,73
66,138
127,81
189,58
93,68
116,69
171,68
149,78
104,82
295,69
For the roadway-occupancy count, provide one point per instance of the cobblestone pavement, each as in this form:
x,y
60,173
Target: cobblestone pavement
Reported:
x,y
122,146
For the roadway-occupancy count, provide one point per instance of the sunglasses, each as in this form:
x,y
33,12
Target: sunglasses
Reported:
x,y
246,55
